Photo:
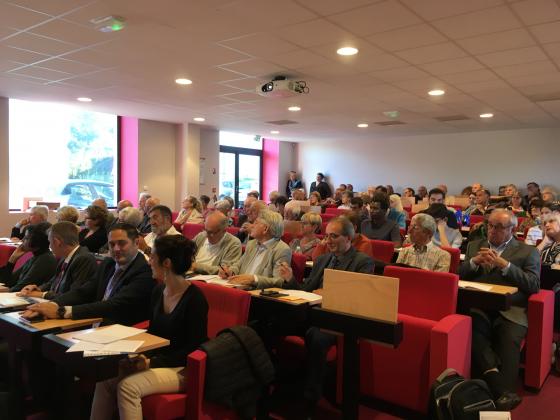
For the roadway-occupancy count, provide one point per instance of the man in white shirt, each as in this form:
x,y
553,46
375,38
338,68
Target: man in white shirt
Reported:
x,y
161,224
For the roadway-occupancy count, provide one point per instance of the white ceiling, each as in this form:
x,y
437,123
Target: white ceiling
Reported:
x,y
488,55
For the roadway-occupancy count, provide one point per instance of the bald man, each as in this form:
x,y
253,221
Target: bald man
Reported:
x,y
215,246
145,227
123,204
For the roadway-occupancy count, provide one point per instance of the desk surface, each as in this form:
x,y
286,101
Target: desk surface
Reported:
x,y
256,294
495,288
49,324
151,342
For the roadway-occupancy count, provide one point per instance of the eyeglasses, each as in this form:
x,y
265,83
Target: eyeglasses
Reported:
x,y
332,236
498,227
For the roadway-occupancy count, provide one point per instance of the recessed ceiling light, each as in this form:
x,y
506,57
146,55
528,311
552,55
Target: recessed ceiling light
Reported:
x,y
183,81
347,51
436,92
199,119
486,115
363,125
294,108
84,99
275,132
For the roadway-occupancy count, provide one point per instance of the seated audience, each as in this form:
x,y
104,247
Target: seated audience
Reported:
x,y
510,190
314,199
67,214
533,216
130,215
94,235
350,188
37,214
111,219
191,211
550,253
472,204
548,195
205,202
378,226
341,256
396,211
39,268
466,191
535,233
76,265
272,196
252,213
297,195
443,188
423,253
422,192
119,292
292,184
160,223
142,198
390,190
311,225
243,212
408,192
502,190
265,253
357,206
123,204
444,235
224,207
497,336
476,187
215,246
254,193
281,202
360,242
292,213
320,186
178,312
516,206
150,203
482,202
437,196
533,191
346,198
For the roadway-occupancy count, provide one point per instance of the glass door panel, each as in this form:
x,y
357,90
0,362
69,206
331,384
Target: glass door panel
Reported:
x,y
249,175
227,175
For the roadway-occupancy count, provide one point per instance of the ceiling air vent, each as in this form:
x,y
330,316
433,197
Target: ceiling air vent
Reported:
x,y
394,122
282,122
448,118
544,97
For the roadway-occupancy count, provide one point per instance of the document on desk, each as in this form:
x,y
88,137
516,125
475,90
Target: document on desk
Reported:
x,y
107,335
116,347
495,415
11,300
474,285
311,298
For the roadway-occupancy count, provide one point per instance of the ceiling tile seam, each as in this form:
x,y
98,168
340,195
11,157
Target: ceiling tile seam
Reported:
x,y
84,74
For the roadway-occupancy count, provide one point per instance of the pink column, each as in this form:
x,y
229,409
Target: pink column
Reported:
x,y
129,159
271,166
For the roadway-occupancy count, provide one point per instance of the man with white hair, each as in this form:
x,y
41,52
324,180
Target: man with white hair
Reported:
x,y
252,213
423,253
131,216
497,335
145,227
37,214
265,254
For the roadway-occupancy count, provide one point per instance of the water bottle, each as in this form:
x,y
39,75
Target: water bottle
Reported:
x,y
459,216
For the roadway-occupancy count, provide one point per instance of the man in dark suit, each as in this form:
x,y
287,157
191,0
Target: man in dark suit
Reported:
x,y
320,186
342,256
292,184
497,335
76,264
144,227
119,293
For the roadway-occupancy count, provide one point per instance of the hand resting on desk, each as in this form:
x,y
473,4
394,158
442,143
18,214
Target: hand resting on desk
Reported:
x,y
31,290
47,309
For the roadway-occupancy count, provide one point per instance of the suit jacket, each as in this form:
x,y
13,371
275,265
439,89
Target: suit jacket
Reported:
x,y
230,253
37,270
144,227
267,272
290,186
130,300
353,260
523,273
97,240
322,187
80,270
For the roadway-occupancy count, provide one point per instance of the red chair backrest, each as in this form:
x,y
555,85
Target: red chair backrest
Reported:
x,y
298,266
520,220
324,227
327,216
382,250
287,237
226,306
233,230
455,206
22,260
425,294
190,230
174,215
336,211
455,258
475,219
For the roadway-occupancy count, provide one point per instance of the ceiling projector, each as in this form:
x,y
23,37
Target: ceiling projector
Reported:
x,y
280,87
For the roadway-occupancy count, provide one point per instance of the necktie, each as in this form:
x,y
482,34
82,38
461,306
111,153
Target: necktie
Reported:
x,y
59,276
111,286
333,262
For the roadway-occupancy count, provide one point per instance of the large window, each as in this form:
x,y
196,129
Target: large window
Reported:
x,y
61,154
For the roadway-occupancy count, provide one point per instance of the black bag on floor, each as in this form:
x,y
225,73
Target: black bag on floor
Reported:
x,y
453,397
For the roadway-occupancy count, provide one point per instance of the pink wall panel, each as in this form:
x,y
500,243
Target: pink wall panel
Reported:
x,y
129,159
271,164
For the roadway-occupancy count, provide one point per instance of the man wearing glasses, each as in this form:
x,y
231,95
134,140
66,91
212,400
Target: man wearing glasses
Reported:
x,y
497,335
215,246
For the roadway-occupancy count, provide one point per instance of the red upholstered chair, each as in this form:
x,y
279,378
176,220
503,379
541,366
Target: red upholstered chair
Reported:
x,y
455,206
474,219
324,227
287,237
538,351
327,216
190,230
174,215
434,339
336,211
233,230
455,258
382,250
298,266
226,307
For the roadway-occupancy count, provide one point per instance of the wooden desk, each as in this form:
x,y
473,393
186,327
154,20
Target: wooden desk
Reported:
x,y
100,368
497,298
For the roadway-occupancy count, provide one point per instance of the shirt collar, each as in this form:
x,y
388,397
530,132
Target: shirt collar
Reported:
x,y
501,247
69,257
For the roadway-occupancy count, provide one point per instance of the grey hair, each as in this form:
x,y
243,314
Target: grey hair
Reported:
x,y
274,222
223,205
552,216
67,232
512,217
426,222
67,213
42,211
130,215
146,195
346,225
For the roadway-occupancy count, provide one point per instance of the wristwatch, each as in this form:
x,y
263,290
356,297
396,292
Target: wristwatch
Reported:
x,y
61,311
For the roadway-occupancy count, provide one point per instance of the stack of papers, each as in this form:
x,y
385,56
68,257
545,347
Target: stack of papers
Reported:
x,y
312,298
213,279
11,300
474,285
107,341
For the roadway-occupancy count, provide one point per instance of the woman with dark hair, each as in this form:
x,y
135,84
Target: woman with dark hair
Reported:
x,y
39,268
180,314
378,226
94,236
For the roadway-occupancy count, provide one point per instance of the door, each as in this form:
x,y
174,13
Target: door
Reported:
x,y
240,172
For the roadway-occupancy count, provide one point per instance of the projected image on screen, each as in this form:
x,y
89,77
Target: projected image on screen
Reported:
x,y
61,154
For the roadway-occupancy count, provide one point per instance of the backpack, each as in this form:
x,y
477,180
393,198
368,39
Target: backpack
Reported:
x,y
453,397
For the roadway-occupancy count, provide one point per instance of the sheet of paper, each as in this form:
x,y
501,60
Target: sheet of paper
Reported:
x,y
473,285
8,300
84,346
205,277
300,294
495,415
123,346
108,335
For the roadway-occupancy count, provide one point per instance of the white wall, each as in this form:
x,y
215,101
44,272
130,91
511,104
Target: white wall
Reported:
x,y
491,157
156,159
287,162
210,170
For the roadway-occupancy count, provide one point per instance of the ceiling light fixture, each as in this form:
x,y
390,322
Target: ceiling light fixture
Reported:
x,y
347,51
436,92
199,119
84,99
183,81
108,23
486,115
363,125
275,132
294,108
